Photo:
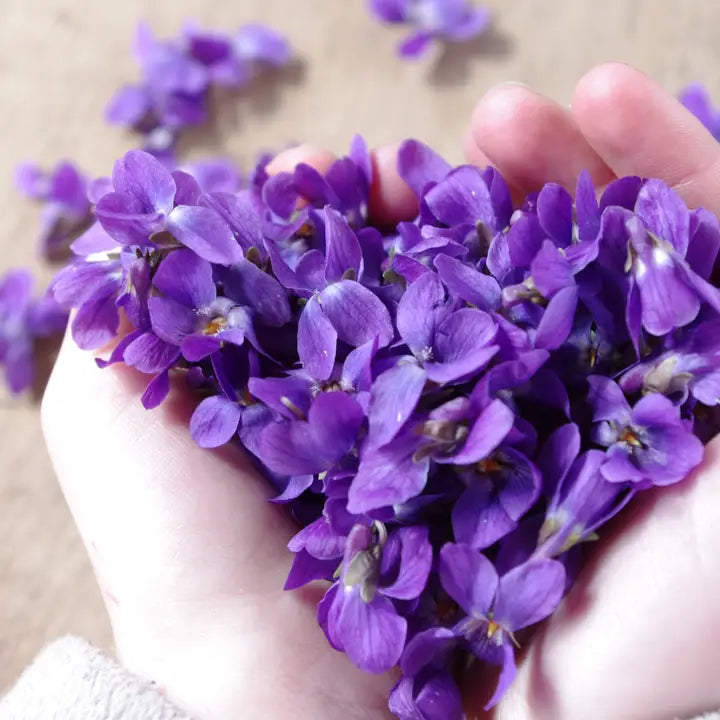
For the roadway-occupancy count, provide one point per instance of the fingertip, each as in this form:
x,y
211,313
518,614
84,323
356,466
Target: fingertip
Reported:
x,y
473,154
286,160
532,140
391,199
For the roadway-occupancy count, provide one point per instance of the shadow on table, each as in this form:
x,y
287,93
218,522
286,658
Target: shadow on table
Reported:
x,y
454,66
228,106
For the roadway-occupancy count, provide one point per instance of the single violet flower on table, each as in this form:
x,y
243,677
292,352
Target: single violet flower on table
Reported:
x,y
66,208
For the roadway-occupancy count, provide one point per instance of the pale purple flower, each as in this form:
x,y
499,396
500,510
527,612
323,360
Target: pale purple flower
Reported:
x,y
24,319
447,20
66,208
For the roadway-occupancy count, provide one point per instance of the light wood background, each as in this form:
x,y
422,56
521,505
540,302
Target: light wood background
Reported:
x,y
60,60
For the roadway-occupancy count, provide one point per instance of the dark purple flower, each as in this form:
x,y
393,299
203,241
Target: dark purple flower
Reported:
x,y
496,607
448,20
358,613
66,208
649,443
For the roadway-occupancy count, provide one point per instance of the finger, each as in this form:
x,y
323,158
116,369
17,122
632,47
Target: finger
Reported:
x,y
286,160
647,599
532,140
638,128
473,154
391,199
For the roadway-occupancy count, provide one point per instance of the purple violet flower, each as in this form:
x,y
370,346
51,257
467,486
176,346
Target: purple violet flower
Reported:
x,y
649,443
447,20
66,208
497,607
23,320
358,613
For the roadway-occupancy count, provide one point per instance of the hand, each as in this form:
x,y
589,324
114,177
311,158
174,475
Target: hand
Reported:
x,y
636,638
191,558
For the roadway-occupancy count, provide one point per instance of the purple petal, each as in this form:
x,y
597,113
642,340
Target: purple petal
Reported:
x,y
94,240
128,106
465,282
478,518
487,432
215,421
296,486
356,313
554,208
557,456
588,212
97,320
240,213
550,270
388,476
186,278
124,220
197,347
421,309
371,634
557,320
280,195
395,394
529,593
316,341
342,249
416,558
278,393
415,45
607,400
171,321
206,233
258,42
507,676
248,285
319,539
664,214
704,242
157,390
419,166
306,568
188,190
462,198
425,648
461,345
146,180
468,577
149,354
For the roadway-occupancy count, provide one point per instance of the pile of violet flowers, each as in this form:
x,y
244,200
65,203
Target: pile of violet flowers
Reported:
x,y
450,409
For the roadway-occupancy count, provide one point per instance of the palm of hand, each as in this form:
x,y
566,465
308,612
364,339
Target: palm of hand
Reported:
x,y
191,558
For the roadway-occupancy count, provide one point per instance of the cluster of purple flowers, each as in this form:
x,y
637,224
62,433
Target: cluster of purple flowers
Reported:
x,y
449,410
178,74
431,20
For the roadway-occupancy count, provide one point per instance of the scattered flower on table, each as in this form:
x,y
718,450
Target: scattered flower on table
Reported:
x,y
432,20
66,208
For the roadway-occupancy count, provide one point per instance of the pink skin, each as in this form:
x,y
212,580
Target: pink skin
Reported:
x,y
191,558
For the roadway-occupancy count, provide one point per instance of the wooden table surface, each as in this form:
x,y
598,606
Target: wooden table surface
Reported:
x,y
60,60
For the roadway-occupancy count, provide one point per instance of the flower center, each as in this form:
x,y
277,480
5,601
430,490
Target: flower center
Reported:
x,y
629,437
215,326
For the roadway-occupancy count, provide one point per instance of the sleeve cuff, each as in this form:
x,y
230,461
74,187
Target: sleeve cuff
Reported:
x,y
72,679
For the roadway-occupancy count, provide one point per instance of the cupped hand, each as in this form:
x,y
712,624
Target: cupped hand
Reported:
x,y
191,558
